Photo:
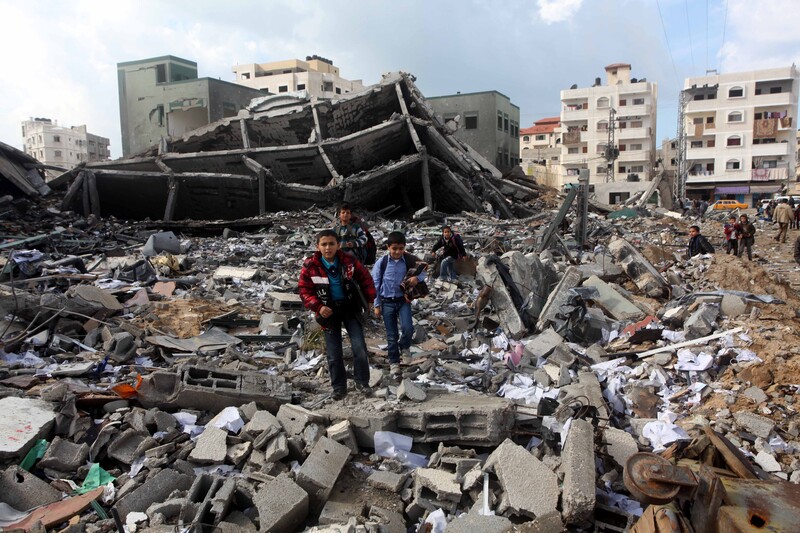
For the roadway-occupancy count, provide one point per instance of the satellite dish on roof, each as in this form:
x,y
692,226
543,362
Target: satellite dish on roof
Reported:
x,y
574,86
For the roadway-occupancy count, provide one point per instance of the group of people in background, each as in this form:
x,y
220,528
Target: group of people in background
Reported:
x,y
337,286
768,211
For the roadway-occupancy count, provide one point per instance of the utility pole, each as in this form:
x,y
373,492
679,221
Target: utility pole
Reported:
x,y
611,152
582,207
680,146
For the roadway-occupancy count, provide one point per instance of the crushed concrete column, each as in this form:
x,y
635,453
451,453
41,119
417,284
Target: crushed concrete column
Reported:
x,y
639,269
501,300
578,496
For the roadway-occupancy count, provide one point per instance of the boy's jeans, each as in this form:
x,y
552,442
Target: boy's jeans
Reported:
x,y
392,311
333,350
447,270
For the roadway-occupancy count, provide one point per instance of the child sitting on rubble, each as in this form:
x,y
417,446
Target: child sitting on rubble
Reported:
x,y
338,288
452,249
398,277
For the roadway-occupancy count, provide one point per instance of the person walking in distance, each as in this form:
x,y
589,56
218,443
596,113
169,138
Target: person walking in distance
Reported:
x,y
783,216
747,237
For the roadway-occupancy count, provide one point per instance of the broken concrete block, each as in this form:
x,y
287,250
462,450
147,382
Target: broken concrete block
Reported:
x,y
23,491
637,268
529,486
501,299
562,356
441,482
768,462
758,425
277,449
732,306
210,447
282,505
64,456
701,323
25,420
558,296
294,418
155,489
541,345
471,522
236,453
229,272
339,512
285,300
164,241
342,432
321,469
578,494
612,302
409,389
756,395
621,444
587,387
124,346
391,522
126,446
387,480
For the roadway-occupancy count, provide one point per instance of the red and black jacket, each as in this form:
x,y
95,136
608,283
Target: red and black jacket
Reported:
x,y
314,286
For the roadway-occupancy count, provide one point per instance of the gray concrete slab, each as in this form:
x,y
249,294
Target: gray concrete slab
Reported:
x,y
558,296
612,302
501,299
277,449
621,444
211,446
637,268
390,481
23,491
155,489
758,425
339,512
124,447
321,469
440,482
295,418
472,522
541,345
282,504
577,456
342,432
64,456
24,421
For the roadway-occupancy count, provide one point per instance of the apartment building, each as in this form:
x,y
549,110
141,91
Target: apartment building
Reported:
x,y
487,121
316,75
540,148
163,97
619,116
62,146
741,133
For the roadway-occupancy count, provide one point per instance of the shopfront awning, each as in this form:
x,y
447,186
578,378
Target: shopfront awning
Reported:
x,y
764,189
738,189
700,187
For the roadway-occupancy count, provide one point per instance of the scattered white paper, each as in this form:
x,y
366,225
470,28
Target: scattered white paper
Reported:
x,y
397,446
230,419
663,432
688,360
437,520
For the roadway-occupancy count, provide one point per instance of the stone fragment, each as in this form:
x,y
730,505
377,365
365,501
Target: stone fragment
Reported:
x,y
471,522
501,299
541,345
558,296
757,395
126,445
155,489
25,421
701,323
578,494
282,504
342,432
23,491
732,306
408,389
756,424
294,418
64,456
321,469
612,302
390,481
391,522
210,447
637,268
529,486
621,444
768,462
441,482
339,512
277,449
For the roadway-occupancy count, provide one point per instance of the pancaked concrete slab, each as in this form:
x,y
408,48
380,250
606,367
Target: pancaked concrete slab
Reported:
x,y
282,504
612,302
321,469
530,487
23,491
558,296
501,299
472,522
64,456
210,447
441,482
25,421
578,494
155,489
637,268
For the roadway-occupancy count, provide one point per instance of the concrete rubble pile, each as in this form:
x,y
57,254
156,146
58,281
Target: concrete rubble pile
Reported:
x,y
160,379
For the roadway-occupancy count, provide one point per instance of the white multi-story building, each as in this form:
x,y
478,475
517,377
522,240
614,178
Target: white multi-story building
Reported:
x,y
60,146
316,75
624,104
741,133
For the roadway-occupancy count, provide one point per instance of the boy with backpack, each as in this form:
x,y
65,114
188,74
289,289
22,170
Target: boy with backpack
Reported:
x,y
399,278
355,236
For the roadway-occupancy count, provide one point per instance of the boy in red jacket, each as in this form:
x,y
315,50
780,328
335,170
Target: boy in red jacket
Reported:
x,y
338,288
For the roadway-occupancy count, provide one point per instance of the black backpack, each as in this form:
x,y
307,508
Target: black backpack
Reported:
x,y
371,248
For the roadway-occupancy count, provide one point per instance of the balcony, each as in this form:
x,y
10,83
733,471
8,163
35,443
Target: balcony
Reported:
x,y
760,100
573,158
634,155
770,149
701,153
568,113
633,110
633,133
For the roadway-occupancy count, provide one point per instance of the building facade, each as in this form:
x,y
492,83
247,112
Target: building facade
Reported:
x,y
540,150
615,121
741,134
62,146
316,75
487,121
162,96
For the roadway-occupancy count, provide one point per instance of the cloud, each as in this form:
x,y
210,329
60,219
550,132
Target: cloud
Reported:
x,y
551,11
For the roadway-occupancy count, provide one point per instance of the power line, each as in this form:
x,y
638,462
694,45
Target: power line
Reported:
x,y
669,48
689,29
724,27
706,36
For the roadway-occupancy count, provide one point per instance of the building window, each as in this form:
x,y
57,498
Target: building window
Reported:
x,y
710,120
161,73
696,144
245,75
618,197
526,138
602,125
283,88
572,150
735,92
697,120
327,86
774,90
622,148
505,122
734,140
637,146
301,86
602,102
711,143
540,138
623,102
56,138
471,120
733,164
636,124
338,90
638,101
735,116
57,153
637,168
499,121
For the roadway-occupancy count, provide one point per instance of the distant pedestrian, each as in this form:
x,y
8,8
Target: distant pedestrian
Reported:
x,y
731,231
703,208
797,251
783,216
747,237
452,250
698,244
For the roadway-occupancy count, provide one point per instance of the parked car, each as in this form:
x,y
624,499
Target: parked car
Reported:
x,y
728,205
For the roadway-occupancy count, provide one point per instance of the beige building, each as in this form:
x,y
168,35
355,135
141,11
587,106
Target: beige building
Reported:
x,y
316,75
625,105
62,146
741,134
540,150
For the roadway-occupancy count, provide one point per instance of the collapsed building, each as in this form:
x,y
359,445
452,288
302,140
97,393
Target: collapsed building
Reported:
x,y
379,147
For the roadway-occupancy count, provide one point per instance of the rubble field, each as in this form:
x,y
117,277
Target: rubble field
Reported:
x,y
163,376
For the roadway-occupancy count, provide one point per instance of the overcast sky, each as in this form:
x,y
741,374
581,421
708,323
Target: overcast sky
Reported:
x,y
59,58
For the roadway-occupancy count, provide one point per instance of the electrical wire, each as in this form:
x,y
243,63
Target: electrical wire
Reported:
x,y
706,36
689,30
669,48
724,27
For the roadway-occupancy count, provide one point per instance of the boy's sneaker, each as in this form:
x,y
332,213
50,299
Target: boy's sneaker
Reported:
x,y
364,389
405,355
339,394
394,370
